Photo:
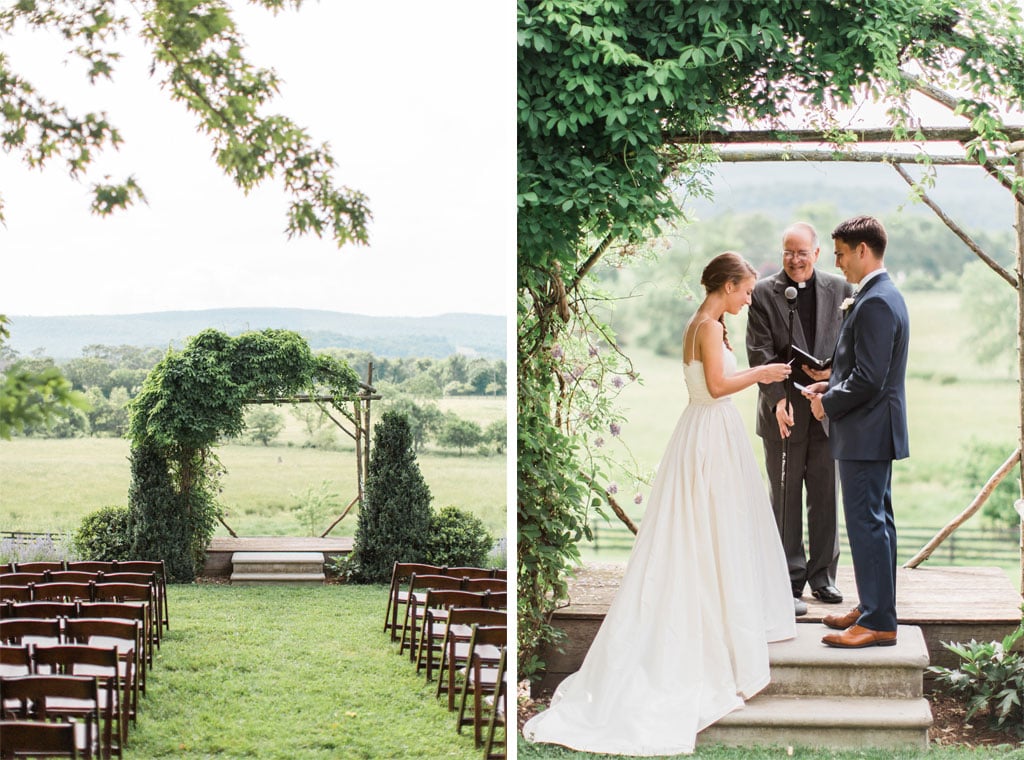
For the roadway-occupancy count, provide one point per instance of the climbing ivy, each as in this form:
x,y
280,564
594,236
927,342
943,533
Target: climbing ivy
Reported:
x,y
192,399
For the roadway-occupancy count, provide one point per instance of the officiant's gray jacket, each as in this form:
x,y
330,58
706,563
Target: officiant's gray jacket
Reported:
x,y
767,343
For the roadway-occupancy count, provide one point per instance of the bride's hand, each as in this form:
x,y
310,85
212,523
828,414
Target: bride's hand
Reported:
x,y
774,373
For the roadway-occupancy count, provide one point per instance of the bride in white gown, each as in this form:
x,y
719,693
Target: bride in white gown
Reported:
x,y
706,588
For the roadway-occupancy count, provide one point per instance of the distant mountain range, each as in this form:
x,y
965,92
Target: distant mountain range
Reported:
x,y
430,337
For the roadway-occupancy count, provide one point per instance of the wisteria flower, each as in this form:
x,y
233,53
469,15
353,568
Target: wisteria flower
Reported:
x,y
638,499
613,488
556,352
615,428
617,382
599,442
593,351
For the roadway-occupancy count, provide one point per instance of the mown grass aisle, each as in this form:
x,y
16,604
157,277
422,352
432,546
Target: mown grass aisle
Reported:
x,y
285,672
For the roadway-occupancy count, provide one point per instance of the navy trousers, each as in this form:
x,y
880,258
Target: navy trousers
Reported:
x,y
867,503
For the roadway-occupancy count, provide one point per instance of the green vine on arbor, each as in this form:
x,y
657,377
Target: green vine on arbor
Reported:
x,y
603,87
192,399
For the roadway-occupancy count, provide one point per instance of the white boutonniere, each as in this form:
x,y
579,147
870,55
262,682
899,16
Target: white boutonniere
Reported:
x,y
846,304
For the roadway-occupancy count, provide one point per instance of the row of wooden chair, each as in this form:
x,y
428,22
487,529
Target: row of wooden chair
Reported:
x,y
465,630
93,677
85,570
78,660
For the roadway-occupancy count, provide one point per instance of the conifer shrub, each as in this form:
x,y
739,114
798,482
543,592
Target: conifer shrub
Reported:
x,y
160,527
104,536
458,538
394,519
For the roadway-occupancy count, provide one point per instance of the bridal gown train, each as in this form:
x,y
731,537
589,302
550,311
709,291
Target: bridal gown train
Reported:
x,y
685,640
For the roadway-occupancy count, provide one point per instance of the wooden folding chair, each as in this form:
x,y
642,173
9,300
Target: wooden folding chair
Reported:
x,y
24,738
38,567
29,631
6,567
123,611
15,659
45,697
436,604
417,593
47,610
498,714
63,592
101,662
139,593
160,569
401,572
480,674
469,572
500,572
90,566
486,584
15,593
72,576
126,635
22,579
455,648
150,579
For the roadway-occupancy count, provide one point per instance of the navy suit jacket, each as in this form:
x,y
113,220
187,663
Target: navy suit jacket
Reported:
x,y
866,400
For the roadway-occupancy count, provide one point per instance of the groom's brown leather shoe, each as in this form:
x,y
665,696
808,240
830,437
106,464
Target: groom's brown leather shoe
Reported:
x,y
842,622
857,637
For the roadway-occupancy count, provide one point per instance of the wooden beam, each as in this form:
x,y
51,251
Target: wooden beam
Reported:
x,y
854,156
960,134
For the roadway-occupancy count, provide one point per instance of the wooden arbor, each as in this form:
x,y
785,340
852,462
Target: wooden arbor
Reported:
x,y
732,147
352,416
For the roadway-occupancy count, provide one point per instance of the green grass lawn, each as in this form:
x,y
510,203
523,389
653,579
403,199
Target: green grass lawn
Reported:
x,y
50,484
281,673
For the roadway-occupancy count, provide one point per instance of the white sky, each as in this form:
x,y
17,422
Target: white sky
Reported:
x,y
417,101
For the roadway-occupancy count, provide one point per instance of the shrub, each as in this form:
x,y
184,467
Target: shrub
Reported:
x,y
991,678
104,535
394,518
458,538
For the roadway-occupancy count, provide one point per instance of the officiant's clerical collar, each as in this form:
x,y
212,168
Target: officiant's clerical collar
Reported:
x,y
801,285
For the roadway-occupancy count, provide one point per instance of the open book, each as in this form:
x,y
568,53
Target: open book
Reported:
x,y
802,357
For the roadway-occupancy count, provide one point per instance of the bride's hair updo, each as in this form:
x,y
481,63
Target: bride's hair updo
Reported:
x,y
725,268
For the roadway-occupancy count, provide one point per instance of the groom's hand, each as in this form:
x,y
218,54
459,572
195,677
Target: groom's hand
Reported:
x,y
813,394
784,416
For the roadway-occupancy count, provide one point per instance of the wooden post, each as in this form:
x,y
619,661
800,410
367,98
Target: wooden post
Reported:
x,y
1018,149
366,420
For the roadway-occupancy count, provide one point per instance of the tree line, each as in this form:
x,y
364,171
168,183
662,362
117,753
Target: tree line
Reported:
x,y
109,377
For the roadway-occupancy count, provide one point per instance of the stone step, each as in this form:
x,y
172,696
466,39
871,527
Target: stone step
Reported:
x,y
805,667
824,722
283,579
291,568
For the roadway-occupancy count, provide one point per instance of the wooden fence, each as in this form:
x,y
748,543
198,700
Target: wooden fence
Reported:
x,y
969,545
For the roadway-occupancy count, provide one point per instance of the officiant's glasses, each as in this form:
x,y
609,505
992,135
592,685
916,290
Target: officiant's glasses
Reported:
x,y
797,255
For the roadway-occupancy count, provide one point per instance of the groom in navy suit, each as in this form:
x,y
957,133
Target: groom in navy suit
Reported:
x,y
865,401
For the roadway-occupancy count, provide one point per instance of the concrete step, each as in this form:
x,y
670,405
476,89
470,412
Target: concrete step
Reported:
x,y
291,568
824,722
805,667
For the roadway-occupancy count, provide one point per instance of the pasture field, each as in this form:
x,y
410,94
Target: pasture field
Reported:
x,y
50,484
952,401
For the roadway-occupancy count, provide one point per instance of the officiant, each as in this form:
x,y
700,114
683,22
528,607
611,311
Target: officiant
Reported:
x,y
799,306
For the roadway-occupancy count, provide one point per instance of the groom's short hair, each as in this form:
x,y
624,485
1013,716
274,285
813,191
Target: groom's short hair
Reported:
x,y
863,229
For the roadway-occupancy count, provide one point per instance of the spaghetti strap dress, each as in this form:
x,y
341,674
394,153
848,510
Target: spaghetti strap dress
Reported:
x,y
706,588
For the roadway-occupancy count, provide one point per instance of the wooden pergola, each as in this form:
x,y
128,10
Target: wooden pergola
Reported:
x,y
811,145
352,416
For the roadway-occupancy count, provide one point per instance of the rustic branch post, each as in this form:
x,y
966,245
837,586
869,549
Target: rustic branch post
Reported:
x,y
1017,149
